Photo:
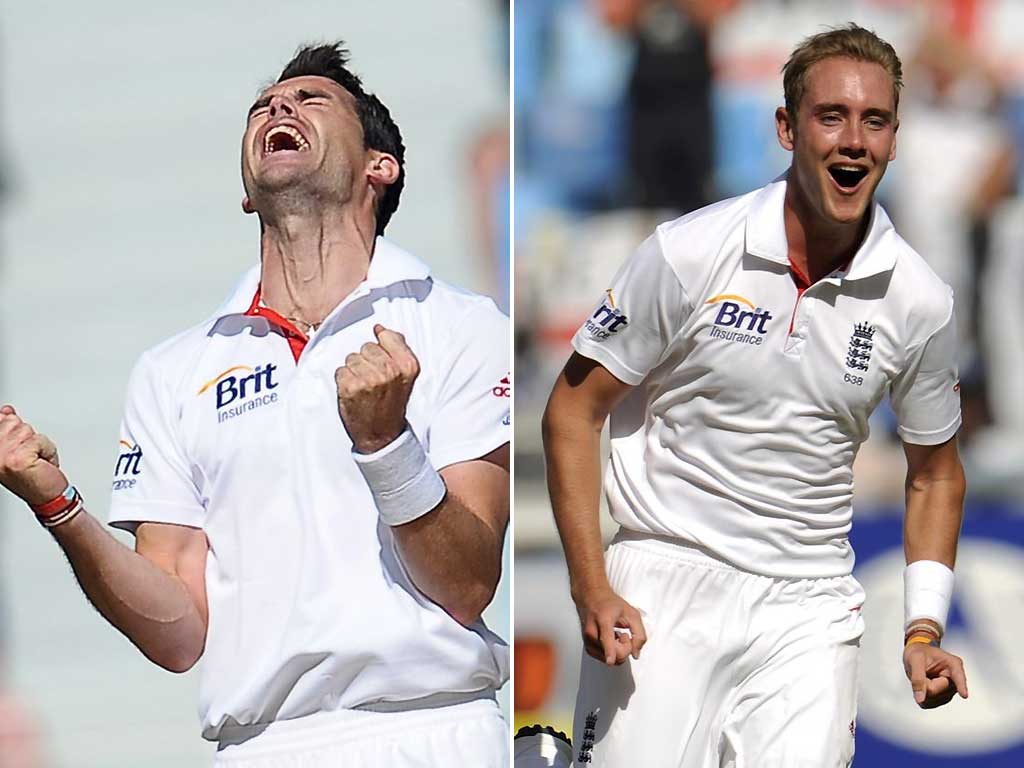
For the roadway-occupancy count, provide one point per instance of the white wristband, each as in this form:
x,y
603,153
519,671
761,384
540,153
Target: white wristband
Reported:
x,y
403,483
927,593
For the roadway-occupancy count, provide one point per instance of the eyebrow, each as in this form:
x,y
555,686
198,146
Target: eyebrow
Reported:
x,y
301,93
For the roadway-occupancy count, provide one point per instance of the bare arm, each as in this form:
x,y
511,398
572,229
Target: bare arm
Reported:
x,y
935,501
156,596
454,553
584,395
931,530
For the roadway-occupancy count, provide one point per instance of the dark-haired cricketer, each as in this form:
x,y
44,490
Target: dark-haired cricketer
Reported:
x,y
317,474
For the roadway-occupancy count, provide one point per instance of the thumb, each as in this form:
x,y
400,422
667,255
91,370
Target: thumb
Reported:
x,y
47,450
918,680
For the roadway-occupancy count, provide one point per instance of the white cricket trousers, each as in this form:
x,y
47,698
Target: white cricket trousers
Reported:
x,y
739,670
468,734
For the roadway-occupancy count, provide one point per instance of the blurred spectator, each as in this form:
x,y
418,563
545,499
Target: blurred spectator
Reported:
x,y
571,73
19,742
669,105
489,159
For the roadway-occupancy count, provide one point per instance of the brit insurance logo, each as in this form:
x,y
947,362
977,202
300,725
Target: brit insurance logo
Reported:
x,y
241,389
738,320
128,466
606,320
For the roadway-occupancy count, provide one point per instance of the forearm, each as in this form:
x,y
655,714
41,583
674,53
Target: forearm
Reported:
x,y
572,449
934,514
149,606
453,557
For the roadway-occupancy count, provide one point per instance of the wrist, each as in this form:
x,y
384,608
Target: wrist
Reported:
x,y
585,588
928,592
36,497
923,629
59,510
404,485
374,443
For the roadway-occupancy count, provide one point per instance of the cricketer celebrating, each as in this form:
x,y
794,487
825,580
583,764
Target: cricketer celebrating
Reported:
x,y
739,354
333,571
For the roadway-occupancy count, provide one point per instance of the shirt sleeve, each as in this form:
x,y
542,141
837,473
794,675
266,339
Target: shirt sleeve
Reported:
x,y
632,327
473,415
926,394
153,481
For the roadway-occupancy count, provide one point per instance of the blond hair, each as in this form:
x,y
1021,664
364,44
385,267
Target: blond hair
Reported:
x,y
849,41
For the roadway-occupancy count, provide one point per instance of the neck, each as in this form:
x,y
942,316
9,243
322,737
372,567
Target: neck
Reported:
x,y
311,262
816,246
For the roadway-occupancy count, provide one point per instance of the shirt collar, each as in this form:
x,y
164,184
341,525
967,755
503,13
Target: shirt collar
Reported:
x,y
766,234
389,265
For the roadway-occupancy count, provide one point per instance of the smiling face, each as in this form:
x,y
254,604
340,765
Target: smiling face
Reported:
x,y
842,137
303,137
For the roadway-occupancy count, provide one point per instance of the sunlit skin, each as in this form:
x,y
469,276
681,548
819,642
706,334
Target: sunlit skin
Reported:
x,y
845,119
329,170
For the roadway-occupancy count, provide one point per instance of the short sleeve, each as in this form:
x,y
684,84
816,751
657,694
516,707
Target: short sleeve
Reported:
x,y
472,415
632,327
926,394
152,481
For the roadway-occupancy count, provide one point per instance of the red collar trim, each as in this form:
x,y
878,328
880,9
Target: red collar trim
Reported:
x,y
296,339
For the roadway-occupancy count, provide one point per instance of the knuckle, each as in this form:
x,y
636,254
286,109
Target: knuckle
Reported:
x,y
352,357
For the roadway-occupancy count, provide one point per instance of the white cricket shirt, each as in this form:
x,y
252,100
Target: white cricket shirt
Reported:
x,y
752,395
228,428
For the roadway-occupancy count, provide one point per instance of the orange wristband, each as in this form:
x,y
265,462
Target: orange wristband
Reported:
x,y
922,639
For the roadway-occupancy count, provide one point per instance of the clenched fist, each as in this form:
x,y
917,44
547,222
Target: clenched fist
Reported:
x,y
29,467
374,386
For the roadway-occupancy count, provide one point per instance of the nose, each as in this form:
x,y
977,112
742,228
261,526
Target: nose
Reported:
x,y
852,140
281,105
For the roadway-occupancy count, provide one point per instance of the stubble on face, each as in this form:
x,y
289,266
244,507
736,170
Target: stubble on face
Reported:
x,y
317,164
843,139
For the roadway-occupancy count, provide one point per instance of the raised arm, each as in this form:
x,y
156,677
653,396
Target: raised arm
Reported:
x,y
156,595
583,396
449,525
935,497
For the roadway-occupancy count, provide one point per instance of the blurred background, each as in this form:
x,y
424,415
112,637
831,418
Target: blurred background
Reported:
x,y
631,112
121,125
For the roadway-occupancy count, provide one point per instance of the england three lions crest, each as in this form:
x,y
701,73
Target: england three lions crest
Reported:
x,y
858,356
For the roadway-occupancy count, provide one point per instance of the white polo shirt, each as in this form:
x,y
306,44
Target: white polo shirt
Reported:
x,y
228,428
752,395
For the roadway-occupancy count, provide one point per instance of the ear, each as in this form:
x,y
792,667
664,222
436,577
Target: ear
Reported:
x,y
892,150
785,129
383,169
247,205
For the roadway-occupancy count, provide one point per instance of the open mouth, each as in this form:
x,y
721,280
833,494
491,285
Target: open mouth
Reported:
x,y
283,138
847,176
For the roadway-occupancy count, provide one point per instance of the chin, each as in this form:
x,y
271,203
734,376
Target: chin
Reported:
x,y
850,213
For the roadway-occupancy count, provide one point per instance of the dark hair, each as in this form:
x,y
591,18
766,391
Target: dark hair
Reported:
x,y
379,131
849,41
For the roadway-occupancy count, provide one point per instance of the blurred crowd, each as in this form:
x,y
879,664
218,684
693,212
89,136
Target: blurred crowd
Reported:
x,y
632,112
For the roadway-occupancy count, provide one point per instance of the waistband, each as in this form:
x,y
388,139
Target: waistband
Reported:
x,y
674,548
683,550
341,725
